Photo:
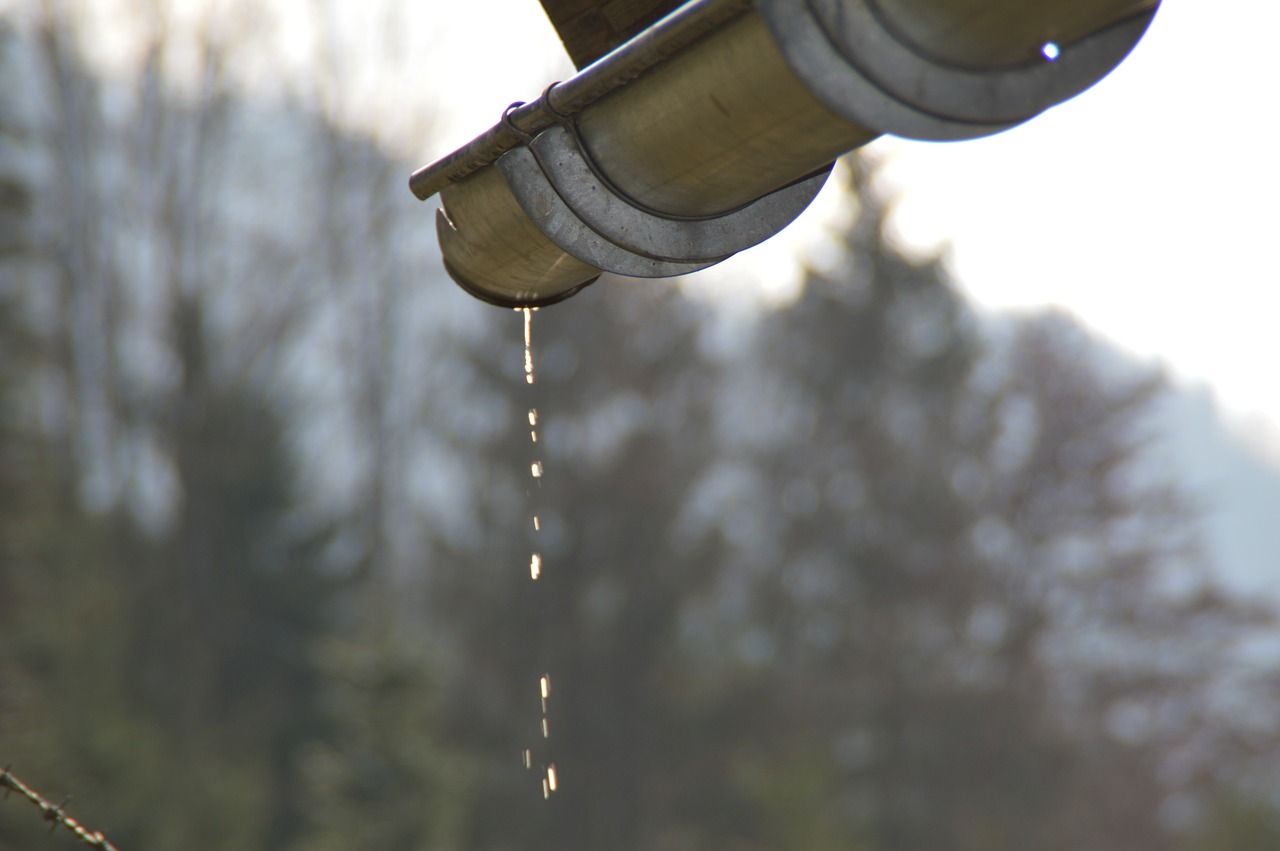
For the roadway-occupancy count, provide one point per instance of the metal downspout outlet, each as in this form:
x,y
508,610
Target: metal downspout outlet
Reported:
x,y
713,129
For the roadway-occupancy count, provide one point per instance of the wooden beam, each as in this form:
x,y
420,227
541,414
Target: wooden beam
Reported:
x,y
591,28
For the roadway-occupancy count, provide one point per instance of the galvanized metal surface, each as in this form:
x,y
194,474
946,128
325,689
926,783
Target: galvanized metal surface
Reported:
x,y
843,52
542,204
492,250
846,90
993,94
588,193
969,20
993,33
491,246
715,127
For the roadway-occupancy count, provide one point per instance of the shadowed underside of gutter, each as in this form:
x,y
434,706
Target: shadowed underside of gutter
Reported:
x,y
695,130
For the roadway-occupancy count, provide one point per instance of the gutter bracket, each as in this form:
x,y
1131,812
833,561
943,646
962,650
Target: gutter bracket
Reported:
x,y
544,207
702,241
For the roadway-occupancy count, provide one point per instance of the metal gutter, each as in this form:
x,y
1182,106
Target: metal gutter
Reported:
x,y
710,130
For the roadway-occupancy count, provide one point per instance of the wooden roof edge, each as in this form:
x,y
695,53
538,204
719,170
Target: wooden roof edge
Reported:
x,y
591,28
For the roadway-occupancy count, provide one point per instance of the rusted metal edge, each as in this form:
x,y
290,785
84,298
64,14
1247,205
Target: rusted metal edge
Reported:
x,y
607,74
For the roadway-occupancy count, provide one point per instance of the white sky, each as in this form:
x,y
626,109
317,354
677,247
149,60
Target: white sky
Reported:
x,y
1145,206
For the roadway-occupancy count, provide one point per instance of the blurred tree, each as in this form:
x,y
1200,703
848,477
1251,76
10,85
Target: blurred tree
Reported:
x,y
185,350
868,574
171,680
879,577
603,618
383,779
989,610
165,600
1240,822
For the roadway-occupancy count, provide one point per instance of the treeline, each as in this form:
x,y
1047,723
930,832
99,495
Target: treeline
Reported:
x,y
871,572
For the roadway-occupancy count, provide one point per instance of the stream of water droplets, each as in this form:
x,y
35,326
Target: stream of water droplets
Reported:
x,y
528,344
535,559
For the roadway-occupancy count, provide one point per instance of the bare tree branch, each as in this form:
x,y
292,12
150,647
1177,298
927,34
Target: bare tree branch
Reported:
x,y
55,815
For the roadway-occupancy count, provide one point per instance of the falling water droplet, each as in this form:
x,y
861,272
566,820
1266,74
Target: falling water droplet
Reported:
x,y
528,344
535,559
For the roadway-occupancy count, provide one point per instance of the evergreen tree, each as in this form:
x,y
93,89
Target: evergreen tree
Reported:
x,y
884,578
874,575
166,672
172,681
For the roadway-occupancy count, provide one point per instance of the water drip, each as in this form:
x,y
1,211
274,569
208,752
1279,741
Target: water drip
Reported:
x,y
528,343
535,558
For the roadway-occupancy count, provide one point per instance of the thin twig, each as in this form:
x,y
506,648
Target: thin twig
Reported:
x,y
55,815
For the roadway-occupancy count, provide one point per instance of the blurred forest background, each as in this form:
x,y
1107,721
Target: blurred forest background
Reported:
x,y
870,572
